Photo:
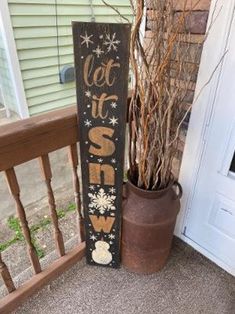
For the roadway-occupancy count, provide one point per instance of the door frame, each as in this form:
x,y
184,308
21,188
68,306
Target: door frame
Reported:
x,y
209,75
12,58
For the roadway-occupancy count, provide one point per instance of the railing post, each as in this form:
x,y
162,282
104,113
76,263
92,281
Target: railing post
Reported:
x,y
6,276
73,157
47,176
15,191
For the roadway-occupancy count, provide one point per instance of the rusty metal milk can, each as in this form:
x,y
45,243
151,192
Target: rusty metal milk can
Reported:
x,y
148,224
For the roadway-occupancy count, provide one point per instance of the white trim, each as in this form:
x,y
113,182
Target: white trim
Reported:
x,y
207,254
7,111
214,49
12,57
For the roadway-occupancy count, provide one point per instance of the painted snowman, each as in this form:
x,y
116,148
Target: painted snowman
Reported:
x,y
101,254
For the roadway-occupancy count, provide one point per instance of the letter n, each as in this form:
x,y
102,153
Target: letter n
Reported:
x,y
97,170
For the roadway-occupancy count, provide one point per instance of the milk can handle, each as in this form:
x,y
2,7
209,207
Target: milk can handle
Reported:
x,y
179,190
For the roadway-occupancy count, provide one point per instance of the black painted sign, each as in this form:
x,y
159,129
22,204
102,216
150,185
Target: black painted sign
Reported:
x,y
101,62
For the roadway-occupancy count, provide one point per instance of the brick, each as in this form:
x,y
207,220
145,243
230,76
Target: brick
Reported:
x,y
203,5
189,97
194,38
196,22
184,75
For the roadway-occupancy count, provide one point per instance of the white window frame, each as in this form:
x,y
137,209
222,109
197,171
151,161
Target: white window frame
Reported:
x,y
12,58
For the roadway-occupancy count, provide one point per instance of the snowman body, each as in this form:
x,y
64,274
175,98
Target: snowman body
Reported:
x,y
101,254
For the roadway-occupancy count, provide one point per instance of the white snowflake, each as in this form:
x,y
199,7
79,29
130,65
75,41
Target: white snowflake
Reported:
x,y
110,242
100,160
112,214
88,93
93,237
113,104
88,123
112,190
113,121
86,39
111,42
91,187
101,201
111,236
113,160
91,211
98,51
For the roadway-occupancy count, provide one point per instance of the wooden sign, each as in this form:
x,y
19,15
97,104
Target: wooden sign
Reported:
x,y
101,62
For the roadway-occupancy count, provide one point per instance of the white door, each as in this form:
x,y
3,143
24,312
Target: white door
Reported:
x,y
210,220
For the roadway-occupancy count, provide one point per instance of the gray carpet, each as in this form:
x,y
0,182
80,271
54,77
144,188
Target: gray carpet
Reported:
x,y
189,283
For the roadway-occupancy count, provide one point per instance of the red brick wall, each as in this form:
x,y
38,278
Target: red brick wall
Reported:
x,y
196,22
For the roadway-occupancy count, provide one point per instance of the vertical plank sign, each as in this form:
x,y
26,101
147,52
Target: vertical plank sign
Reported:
x,y
101,62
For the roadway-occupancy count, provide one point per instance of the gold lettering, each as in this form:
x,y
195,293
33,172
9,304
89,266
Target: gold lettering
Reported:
x,y
98,104
101,223
99,76
88,66
104,146
97,171
109,66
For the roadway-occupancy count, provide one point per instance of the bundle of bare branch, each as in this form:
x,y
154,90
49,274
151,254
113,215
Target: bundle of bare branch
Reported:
x,y
164,70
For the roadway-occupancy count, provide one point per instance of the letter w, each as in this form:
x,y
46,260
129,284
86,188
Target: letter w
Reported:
x,y
101,223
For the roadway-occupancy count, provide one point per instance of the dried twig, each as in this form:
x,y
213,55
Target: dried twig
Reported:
x,y
165,70
116,10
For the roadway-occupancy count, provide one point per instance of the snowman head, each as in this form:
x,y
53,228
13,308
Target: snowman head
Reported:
x,y
102,245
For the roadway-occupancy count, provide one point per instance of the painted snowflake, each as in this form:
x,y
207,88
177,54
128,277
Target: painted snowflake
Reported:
x,y
113,121
112,190
86,39
113,104
93,237
111,42
98,51
87,123
101,201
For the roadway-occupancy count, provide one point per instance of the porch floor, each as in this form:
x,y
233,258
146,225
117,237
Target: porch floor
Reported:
x,y
189,283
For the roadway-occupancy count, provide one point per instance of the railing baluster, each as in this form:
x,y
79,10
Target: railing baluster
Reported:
x,y
73,156
6,276
15,191
47,176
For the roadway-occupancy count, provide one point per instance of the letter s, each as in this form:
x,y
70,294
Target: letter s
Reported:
x,y
105,146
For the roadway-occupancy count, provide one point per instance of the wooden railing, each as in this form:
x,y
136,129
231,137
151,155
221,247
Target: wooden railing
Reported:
x,y
23,141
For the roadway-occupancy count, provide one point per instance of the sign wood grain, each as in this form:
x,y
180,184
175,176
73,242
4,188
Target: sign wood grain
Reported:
x,y
101,63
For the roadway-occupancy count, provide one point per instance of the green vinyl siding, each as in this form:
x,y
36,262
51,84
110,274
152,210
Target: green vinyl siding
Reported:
x,y
34,26
7,88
